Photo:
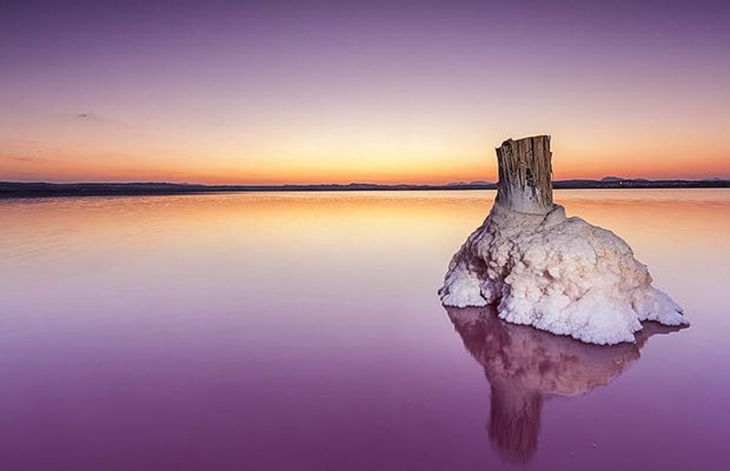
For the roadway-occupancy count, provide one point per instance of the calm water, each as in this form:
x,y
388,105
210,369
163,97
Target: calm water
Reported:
x,y
302,331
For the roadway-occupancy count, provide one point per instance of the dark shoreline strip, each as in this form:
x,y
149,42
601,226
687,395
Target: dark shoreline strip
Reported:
x,y
43,190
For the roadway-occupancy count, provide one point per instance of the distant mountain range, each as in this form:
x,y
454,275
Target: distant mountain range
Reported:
x,y
42,189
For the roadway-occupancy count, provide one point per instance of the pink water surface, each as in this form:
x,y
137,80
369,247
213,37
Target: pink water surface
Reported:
x,y
302,331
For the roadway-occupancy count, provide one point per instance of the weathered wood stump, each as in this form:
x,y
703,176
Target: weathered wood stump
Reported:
x,y
525,175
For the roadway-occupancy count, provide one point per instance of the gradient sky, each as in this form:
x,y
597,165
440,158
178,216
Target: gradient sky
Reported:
x,y
377,91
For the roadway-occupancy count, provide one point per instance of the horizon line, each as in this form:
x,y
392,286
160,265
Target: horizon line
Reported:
x,y
604,179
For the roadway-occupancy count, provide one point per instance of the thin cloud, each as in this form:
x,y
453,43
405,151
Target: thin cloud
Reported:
x,y
34,160
89,117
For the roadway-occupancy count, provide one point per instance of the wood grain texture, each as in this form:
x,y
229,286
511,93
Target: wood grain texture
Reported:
x,y
525,175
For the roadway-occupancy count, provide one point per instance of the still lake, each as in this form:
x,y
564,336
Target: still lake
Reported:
x,y
302,331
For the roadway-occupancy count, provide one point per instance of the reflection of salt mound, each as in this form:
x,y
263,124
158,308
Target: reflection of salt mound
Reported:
x,y
555,273
523,365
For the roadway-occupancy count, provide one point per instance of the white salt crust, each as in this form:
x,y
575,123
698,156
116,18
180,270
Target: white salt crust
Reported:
x,y
558,274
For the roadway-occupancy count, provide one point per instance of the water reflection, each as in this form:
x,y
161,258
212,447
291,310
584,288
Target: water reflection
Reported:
x,y
523,365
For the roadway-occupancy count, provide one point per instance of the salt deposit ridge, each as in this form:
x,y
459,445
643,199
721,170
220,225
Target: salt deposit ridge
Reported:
x,y
542,268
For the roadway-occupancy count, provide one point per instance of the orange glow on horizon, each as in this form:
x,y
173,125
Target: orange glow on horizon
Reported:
x,y
443,171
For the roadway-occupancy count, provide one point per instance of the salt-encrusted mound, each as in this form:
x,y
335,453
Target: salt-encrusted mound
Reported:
x,y
557,274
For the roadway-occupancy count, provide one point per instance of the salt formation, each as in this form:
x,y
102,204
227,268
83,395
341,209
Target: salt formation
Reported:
x,y
541,268
524,366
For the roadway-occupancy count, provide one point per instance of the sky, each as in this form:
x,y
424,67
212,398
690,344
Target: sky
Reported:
x,y
380,91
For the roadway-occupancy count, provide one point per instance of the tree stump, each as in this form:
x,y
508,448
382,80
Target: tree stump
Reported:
x,y
525,175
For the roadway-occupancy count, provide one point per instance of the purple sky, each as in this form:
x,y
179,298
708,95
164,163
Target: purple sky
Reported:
x,y
339,91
